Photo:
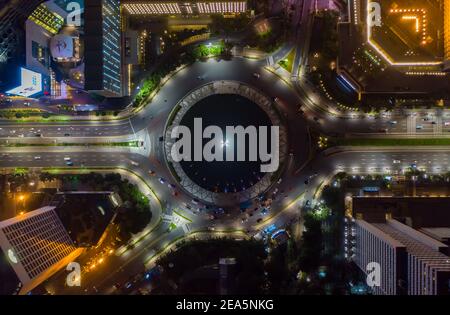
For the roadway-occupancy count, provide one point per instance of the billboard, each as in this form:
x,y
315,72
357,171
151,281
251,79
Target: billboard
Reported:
x,y
31,84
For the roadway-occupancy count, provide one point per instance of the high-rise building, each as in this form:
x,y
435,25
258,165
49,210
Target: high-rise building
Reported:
x,y
13,14
406,237
447,34
190,7
50,21
372,245
103,48
37,245
410,262
41,242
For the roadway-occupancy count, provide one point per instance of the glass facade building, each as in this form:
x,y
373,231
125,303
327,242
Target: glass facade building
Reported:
x,y
103,47
37,245
111,46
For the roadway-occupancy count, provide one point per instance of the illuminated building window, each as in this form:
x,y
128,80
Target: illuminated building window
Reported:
x,y
203,7
50,21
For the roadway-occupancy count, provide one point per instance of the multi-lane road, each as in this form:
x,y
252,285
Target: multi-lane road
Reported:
x,y
148,126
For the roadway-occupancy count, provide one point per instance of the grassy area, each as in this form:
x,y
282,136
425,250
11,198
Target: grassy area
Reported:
x,y
172,226
209,50
391,142
288,62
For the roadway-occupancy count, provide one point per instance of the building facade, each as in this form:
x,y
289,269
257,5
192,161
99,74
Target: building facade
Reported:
x,y
103,48
37,245
13,14
191,7
447,34
371,245
410,262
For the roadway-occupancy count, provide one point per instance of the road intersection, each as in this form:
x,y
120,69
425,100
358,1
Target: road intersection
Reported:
x,y
145,161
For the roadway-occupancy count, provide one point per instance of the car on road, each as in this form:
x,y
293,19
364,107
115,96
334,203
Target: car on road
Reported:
x,y
161,180
67,158
134,163
171,186
69,163
396,162
37,158
447,123
195,201
151,173
256,75
419,127
67,135
393,122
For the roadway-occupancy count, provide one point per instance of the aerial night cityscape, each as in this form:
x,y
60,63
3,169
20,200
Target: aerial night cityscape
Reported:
x,y
241,148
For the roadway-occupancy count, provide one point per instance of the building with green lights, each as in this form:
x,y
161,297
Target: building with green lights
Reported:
x,y
50,21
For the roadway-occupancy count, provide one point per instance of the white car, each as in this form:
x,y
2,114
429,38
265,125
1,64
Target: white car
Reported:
x,y
396,162
37,157
67,158
134,163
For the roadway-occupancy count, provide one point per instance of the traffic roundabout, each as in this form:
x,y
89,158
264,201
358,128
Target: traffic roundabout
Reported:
x,y
225,143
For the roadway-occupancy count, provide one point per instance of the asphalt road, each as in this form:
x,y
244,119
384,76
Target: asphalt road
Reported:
x,y
292,191
285,208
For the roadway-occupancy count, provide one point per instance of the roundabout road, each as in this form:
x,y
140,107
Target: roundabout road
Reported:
x,y
150,122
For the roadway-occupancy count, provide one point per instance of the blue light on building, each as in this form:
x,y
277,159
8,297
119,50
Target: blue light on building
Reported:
x,y
111,46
